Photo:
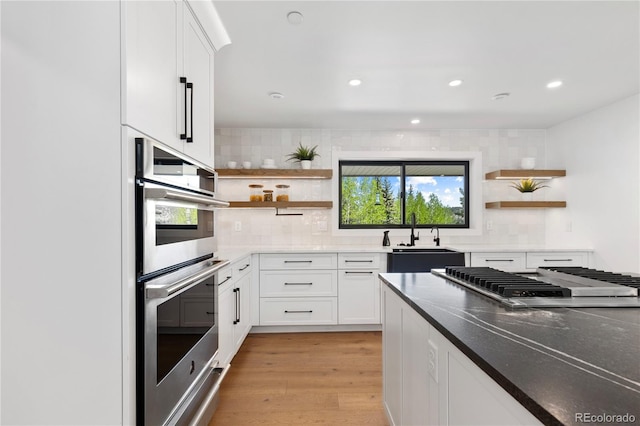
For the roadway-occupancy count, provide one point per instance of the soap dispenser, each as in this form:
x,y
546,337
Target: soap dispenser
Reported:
x,y
385,239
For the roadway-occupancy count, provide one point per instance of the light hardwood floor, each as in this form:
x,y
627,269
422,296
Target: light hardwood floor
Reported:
x,y
304,378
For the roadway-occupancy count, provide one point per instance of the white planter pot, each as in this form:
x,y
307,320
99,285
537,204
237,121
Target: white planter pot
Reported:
x,y
305,164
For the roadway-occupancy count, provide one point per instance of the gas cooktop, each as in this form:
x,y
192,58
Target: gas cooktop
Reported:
x,y
549,287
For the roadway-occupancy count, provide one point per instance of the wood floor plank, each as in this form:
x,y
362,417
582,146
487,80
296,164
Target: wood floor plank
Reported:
x,y
304,378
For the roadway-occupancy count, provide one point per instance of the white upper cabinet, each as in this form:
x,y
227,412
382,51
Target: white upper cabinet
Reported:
x,y
198,70
153,39
168,73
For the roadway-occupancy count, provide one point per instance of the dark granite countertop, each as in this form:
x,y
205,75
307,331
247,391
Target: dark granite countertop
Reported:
x,y
555,362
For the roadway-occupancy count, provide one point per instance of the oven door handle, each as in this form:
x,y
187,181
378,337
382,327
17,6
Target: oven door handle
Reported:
x,y
177,195
160,291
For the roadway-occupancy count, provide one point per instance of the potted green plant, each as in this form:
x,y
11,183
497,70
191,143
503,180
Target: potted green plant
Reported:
x,y
304,155
528,186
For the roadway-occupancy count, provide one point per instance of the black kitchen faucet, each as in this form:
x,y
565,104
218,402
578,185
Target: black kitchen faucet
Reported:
x,y
437,237
414,238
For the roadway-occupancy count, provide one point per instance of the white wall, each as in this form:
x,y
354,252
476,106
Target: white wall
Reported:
x,y
601,152
61,214
498,149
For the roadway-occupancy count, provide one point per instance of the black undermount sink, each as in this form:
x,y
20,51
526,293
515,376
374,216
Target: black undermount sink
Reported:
x,y
422,259
422,250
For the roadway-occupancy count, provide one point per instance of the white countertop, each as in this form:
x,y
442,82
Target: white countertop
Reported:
x,y
490,248
236,253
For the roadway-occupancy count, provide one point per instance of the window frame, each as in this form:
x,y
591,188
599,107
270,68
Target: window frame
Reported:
x,y
466,163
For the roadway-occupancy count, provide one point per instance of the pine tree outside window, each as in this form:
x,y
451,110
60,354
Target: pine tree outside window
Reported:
x,y
383,194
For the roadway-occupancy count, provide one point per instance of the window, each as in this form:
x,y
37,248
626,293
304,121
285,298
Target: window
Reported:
x,y
385,194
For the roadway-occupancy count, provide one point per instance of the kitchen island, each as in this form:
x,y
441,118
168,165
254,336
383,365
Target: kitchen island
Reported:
x,y
452,356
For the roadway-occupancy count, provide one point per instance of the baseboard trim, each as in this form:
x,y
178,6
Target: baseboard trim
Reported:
x,y
257,329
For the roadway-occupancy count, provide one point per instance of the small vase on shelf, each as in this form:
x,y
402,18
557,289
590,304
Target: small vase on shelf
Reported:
x,y
304,155
527,187
305,164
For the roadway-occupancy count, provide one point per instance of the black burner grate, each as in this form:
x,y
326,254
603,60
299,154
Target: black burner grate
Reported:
x,y
595,274
506,284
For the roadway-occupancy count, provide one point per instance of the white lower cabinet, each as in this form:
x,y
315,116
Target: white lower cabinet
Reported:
x,y
226,318
299,311
243,321
358,288
298,289
557,258
392,356
474,398
508,261
428,381
234,308
522,261
314,283
319,289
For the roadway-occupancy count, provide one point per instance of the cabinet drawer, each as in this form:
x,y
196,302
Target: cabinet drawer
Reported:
x,y
359,260
535,260
299,311
299,261
298,283
242,267
225,278
511,261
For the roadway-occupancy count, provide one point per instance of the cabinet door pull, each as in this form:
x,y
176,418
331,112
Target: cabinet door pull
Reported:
x,y
235,290
298,312
358,261
245,267
187,86
224,281
558,260
298,283
209,313
298,261
239,305
190,86
358,272
498,260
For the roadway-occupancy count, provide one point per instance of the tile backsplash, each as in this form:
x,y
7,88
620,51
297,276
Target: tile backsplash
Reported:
x,y
501,149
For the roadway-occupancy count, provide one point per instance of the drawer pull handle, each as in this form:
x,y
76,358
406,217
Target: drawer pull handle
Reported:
x,y
298,312
298,261
558,260
358,261
209,313
498,260
224,281
245,267
358,272
298,283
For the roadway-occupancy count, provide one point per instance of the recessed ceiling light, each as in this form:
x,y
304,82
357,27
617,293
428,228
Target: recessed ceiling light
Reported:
x,y
276,95
554,84
500,96
455,83
355,82
415,121
295,18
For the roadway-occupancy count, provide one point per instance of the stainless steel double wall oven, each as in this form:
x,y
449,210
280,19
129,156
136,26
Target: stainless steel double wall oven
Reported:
x,y
176,295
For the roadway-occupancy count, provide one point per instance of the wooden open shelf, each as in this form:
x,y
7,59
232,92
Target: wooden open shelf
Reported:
x,y
523,174
525,204
282,204
276,173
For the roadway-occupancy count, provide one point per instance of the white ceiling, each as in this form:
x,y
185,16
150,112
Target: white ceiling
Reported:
x,y
406,52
